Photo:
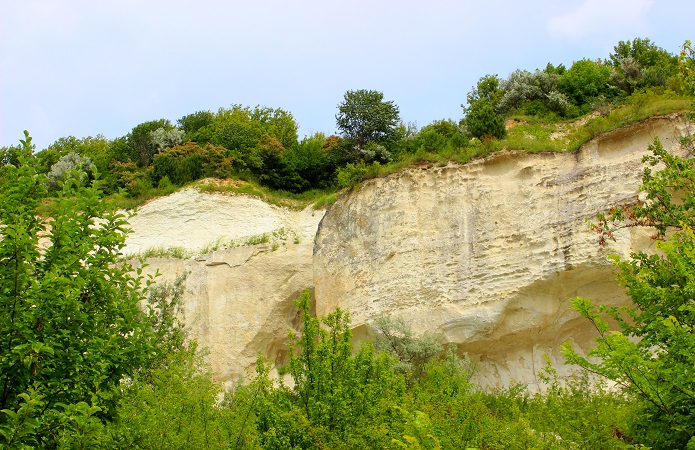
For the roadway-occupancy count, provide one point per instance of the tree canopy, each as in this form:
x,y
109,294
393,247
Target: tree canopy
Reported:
x,y
651,352
71,327
364,116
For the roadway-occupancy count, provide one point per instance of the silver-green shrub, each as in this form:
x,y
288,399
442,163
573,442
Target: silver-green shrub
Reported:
x,y
523,86
70,165
164,139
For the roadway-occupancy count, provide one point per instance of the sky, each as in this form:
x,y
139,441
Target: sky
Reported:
x,y
89,67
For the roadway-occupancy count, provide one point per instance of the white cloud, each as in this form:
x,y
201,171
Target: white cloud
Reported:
x,y
601,17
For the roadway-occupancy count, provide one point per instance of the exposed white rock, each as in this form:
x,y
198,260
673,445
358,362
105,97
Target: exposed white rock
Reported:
x,y
192,220
238,302
488,253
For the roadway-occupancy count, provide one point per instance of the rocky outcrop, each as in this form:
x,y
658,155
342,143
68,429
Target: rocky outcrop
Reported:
x,y
238,301
488,253
193,220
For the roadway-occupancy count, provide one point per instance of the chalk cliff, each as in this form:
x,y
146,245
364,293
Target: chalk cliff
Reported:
x,y
486,253
238,299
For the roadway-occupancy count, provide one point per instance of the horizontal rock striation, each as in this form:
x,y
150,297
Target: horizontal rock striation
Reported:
x,y
238,302
488,253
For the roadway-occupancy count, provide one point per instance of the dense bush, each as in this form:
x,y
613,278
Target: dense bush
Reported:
x,y
190,162
650,351
484,122
67,167
141,148
540,86
71,326
305,165
585,82
640,63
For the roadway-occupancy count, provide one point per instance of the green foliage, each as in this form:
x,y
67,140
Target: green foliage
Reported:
x,y
163,138
523,87
686,66
254,138
438,137
640,63
340,394
487,90
175,407
191,123
652,353
304,165
585,81
395,337
190,162
352,174
141,146
483,122
70,327
364,117
18,155
99,150
71,165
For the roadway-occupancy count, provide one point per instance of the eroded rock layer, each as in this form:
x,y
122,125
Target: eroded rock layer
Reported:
x,y
488,253
238,300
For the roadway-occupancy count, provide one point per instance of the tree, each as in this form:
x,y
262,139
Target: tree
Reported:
x,y
585,81
641,63
142,146
686,66
483,122
651,354
70,324
191,123
365,117
488,90
482,118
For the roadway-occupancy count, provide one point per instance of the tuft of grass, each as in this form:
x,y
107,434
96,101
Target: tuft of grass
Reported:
x,y
280,198
161,252
325,200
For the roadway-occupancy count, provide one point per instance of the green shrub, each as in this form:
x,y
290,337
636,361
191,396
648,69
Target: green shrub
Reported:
x,y
71,165
484,122
585,81
351,175
189,162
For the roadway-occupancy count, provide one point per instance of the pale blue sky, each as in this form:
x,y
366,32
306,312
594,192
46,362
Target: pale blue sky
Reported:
x,y
85,67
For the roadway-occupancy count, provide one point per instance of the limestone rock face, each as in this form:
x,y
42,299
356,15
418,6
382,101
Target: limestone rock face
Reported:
x,y
191,219
488,253
238,301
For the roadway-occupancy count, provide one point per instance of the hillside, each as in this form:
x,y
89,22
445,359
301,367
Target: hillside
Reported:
x,y
486,253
